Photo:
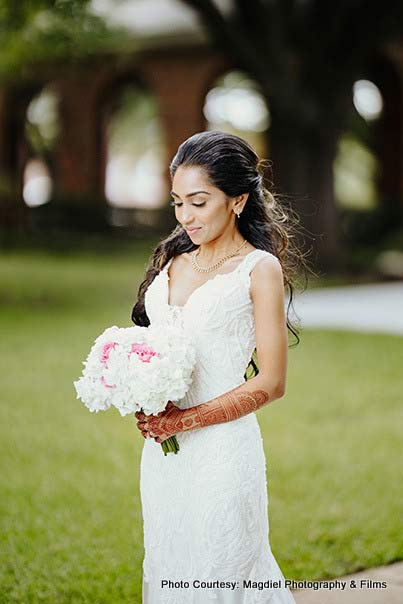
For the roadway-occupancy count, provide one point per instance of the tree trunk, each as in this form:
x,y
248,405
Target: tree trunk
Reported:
x,y
303,174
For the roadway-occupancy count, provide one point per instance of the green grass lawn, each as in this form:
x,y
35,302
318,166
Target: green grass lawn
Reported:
x,y
70,506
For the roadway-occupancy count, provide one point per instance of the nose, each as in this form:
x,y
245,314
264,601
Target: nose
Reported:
x,y
186,217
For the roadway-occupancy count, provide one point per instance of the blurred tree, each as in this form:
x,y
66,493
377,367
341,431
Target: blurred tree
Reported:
x,y
305,56
35,32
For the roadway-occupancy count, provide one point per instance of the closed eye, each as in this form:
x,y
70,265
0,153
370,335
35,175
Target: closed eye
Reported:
x,y
197,205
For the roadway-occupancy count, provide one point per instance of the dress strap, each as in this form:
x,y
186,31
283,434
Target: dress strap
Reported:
x,y
168,264
251,259
247,267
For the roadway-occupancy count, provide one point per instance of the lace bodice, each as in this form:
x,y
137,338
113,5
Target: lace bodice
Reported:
x,y
219,317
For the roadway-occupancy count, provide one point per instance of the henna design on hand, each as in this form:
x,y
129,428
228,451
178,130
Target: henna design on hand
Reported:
x,y
224,408
160,427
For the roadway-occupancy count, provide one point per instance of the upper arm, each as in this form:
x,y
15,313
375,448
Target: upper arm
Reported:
x,y
267,294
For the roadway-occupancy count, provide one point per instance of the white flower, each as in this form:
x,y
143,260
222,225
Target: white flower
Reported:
x,y
133,368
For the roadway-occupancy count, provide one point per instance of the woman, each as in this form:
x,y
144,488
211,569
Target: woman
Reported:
x,y
205,509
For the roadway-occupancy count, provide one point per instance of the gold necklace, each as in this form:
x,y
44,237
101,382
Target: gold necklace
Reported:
x,y
208,269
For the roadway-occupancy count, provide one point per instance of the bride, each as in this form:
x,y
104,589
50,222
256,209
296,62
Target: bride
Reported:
x,y
221,275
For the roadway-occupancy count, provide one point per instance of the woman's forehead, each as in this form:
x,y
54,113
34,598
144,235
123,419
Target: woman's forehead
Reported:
x,y
189,179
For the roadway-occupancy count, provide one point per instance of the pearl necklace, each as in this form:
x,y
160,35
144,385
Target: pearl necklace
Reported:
x,y
208,269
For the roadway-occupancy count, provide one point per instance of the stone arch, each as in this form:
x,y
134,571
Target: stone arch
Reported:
x,y
41,130
172,72
17,150
126,101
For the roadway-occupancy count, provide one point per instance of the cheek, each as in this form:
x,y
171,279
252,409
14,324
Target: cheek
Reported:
x,y
217,218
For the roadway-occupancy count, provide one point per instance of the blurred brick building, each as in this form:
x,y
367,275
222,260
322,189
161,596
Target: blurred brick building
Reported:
x,y
176,63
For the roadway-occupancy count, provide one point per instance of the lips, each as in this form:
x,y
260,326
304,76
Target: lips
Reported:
x,y
191,231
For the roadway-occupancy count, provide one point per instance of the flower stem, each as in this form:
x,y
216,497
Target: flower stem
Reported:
x,y
170,445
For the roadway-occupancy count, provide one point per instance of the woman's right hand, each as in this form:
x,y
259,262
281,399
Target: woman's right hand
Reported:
x,y
141,424
162,426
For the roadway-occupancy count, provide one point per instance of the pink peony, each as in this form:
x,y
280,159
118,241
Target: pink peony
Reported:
x,y
106,351
144,352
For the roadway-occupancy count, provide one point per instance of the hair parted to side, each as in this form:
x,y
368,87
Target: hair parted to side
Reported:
x,y
233,166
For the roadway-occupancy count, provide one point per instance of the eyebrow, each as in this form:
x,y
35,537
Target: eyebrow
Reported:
x,y
191,194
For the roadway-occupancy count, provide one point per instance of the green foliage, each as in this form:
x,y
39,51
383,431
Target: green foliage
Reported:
x,y
35,32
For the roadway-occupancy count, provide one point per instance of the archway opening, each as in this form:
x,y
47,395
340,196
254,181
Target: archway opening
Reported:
x,y
41,130
134,150
235,104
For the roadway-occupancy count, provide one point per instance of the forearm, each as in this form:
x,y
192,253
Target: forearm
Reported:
x,y
246,398
236,403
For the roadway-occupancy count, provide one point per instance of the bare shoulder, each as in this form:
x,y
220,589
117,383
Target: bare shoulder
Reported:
x,y
184,259
267,277
179,258
180,262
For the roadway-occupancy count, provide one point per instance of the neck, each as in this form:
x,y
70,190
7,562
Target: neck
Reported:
x,y
221,246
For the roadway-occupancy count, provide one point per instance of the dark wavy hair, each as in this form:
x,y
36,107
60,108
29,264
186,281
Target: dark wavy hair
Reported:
x,y
232,166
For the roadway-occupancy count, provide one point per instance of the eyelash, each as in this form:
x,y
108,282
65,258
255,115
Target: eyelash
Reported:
x,y
197,205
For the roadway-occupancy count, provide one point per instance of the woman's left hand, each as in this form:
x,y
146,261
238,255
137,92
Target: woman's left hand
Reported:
x,y
160,427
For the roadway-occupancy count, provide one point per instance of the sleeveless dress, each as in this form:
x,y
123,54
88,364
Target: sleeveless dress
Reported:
x,y
205,509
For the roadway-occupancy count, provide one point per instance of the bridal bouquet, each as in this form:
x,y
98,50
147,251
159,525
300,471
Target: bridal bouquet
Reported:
x,y
137,369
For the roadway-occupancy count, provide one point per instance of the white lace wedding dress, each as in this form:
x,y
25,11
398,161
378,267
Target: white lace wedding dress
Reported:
x,y
205,509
